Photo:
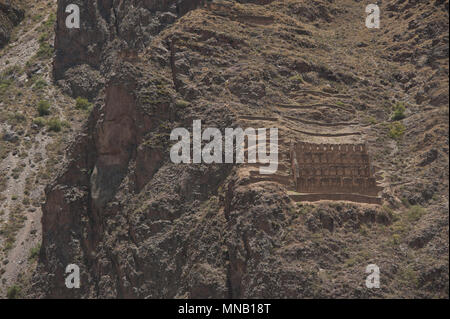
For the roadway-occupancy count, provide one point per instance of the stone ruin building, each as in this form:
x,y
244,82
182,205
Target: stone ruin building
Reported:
x,y
333,172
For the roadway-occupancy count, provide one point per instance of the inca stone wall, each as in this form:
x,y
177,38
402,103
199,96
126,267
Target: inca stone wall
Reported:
x,y
332,169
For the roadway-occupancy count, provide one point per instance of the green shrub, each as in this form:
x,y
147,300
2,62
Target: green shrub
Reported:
x,y
40,121
13,292
398,111
182,103
408,276
49,23
39,85
296,78
34,252
372,120
54,125
44,108
396,240
396,130
415,213
45,51
11,72
44,37
83,104
17,117
4,85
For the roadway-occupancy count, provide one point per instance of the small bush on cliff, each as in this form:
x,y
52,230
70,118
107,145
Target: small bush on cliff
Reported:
x,y
48,24
34,252
372,120
54,125
39,121
44,108
13,292
182,104
4,85
297,78
415,213
45,51
16,118
408,276
398,111
39,84
82,104
396,130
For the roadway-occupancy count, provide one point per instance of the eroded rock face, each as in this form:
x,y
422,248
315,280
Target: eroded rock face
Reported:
x,y
109,29
126,227
107,26
10,15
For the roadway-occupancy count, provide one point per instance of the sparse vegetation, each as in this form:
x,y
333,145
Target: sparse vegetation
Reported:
x,y
7,78
43,108
14,292
83,104
34,252
297,78
45,50
398,111
408,276
4,85
14,224
415,213
16,117
54,124
39,84
396,130
305,209
40,121
182,103
396,239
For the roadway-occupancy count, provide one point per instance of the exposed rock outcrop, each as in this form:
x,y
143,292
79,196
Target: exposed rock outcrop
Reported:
x,y
10,15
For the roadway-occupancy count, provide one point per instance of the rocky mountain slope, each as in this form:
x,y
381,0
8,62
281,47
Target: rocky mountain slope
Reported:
x,y
140,226
36,122
11,13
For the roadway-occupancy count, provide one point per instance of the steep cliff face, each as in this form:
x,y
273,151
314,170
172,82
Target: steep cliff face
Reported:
x,y
10,15
131,24
111,173
140,226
